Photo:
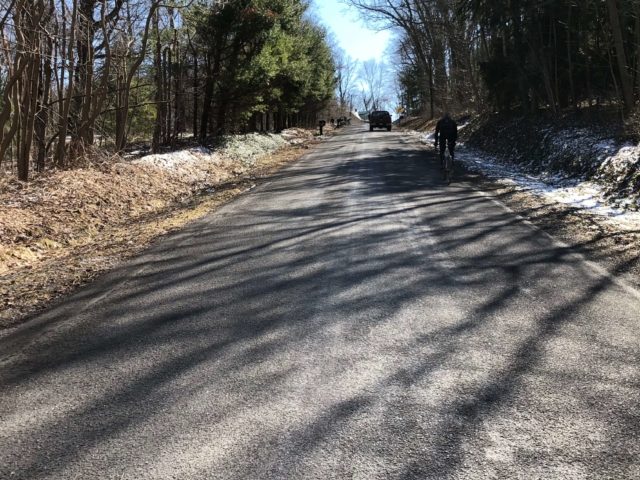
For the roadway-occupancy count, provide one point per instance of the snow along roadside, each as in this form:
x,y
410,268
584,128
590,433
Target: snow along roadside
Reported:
x,y
244,149
588,197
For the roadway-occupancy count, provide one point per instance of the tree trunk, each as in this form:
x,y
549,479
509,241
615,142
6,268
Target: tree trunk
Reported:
x,y
559,102
546,76
206,105
574,101
588,70
627,88
535,101
166,101
637,12
159,95
195,96
28,38
10,97
485,47
222,113
43,109
29,102
209,88
124,111
176,95
64,116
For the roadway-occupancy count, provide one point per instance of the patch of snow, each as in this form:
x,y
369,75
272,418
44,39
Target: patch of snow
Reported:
x,y
181,159
613,161
244,149
248,148
586,196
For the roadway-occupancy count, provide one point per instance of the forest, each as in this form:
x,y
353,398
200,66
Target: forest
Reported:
x,y
523,55
81,75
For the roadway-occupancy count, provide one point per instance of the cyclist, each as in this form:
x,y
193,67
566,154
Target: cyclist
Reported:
x,y
446,133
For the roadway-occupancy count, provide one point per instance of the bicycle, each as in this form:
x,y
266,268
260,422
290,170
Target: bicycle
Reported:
x,y
447,167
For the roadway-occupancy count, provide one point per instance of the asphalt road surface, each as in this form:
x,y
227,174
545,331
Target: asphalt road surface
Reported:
x,y
351,318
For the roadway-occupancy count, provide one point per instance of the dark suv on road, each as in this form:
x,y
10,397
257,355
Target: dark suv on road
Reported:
x,y
379,119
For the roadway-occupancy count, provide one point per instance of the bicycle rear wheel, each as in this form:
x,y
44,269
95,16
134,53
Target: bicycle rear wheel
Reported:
x,y
448,168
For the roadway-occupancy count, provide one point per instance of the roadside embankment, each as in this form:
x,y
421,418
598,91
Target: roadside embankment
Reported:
x,y
591,162
566,149
64,227
575,179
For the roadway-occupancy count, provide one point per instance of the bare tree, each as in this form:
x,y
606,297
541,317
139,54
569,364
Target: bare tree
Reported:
x,y
375,81
23,41
347,76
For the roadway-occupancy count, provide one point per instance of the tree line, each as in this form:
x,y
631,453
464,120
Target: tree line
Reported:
x,y
76,75
364,84
465,55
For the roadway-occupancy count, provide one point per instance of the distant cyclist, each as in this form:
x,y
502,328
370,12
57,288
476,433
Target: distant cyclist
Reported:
x,y
446,133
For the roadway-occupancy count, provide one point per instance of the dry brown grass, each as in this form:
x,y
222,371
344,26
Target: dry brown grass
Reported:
x,y
419,124
62,229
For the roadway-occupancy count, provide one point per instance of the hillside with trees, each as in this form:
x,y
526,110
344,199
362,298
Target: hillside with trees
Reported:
x,y
520,55
77,75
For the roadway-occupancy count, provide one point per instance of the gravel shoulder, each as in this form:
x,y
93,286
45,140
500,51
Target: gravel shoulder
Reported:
x,y
615,249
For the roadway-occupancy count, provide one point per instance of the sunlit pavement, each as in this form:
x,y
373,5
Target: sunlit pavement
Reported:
x,y
352,317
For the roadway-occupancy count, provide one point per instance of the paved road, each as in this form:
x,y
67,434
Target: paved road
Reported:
x,y
352,318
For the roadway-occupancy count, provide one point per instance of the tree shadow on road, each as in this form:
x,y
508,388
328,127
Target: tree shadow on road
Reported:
x,y
372,322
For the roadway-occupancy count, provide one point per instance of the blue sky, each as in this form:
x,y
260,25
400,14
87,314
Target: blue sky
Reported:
x,y
353,37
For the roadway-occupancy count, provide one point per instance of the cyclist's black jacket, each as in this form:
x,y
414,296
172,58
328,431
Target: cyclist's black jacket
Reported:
x,y
447,129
